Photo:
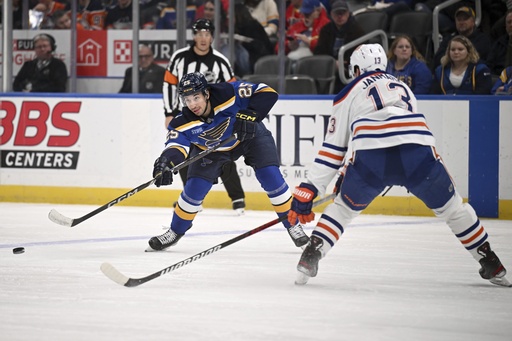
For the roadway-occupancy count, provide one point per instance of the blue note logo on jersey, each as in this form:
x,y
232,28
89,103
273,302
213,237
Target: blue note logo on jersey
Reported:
x,y
213,135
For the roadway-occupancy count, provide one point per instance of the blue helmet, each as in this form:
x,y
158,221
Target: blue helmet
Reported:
x,y
192,83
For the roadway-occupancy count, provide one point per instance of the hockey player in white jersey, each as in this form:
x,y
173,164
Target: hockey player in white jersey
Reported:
x,y
376,138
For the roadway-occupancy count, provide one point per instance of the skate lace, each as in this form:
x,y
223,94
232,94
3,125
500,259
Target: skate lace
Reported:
x,y
167,237
296,231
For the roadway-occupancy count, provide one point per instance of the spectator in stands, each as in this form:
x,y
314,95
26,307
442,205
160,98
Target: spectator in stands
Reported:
x,y
293,14
201,57
161,14
501,51
408,65
252,40
207,11
151,74
45,73
302,37
465,25
62,21
460,72
342,29
446,15
265,11
48,8
119,16
149,13
503,85
91,14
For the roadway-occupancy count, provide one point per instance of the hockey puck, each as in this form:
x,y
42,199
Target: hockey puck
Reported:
x,y
18,250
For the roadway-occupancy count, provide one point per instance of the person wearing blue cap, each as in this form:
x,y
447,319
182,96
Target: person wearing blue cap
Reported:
x,y
302,37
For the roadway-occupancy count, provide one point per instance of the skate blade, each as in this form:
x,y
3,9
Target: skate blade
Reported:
x,y
502,281
301,278
150,249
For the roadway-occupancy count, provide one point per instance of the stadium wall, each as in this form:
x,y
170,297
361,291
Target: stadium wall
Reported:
x,y
89,149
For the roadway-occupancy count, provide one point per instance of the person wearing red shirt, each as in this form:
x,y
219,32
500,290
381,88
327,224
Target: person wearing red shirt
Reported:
x,y
293,14
302,37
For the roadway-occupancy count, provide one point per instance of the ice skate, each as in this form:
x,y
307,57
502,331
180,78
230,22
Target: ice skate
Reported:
x,y
492,269
163,241
308,263
239,206
298,236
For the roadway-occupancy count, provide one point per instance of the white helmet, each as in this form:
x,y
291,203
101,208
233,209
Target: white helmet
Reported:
x,y
368,57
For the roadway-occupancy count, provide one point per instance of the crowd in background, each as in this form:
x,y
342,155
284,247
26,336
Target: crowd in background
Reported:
x,y
469,60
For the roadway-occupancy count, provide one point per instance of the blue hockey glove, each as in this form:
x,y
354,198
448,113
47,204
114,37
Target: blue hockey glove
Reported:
x,y
302,204
162,170
245,124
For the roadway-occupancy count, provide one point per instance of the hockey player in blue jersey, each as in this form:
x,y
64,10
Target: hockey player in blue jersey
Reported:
x,y
377,138
212,113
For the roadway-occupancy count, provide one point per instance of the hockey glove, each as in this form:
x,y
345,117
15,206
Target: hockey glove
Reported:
x,y
162,171
302,204
245,124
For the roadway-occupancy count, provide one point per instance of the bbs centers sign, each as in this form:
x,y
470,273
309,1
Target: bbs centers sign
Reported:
x,y
36,124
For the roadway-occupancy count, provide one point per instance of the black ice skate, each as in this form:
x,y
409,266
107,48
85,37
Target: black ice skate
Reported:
x,y
239,206
492,269
298,236
308,264
164,241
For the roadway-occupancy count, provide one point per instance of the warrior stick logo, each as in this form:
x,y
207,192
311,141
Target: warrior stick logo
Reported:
x,y
191,259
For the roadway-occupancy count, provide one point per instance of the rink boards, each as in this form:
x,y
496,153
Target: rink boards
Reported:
x,y
89,149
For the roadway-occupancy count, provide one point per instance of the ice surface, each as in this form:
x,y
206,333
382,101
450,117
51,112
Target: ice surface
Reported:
x,y
388,278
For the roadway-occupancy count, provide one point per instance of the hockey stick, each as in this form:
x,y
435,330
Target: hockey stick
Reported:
x,y
121,279
61,219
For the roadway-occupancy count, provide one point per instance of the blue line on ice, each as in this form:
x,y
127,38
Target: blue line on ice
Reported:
x,y
191,234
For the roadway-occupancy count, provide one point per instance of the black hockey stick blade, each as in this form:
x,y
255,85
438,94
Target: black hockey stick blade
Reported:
x,y
61,219
115,275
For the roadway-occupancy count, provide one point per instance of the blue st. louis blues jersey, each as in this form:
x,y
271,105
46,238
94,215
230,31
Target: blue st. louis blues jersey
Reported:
x,y
226,99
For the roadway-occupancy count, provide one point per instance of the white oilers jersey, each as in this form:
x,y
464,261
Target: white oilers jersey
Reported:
x,y
374,111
